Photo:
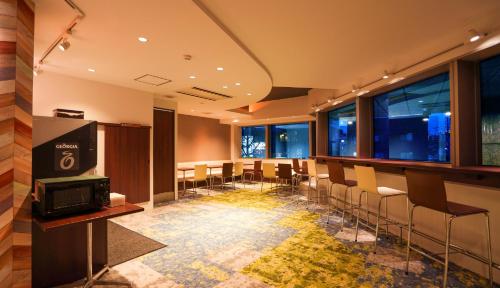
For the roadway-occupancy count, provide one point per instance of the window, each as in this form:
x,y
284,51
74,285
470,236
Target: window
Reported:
x,y
253,142
489,71
413,122
342,131
290,140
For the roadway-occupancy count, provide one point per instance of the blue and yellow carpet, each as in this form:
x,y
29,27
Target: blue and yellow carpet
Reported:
x,y
252,239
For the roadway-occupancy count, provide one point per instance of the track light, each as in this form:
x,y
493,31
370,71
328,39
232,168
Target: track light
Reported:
x,y
474,35
386,75
36,70
64,45
354,89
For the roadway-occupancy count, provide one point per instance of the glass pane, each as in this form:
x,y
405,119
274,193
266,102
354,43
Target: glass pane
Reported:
x,y
413,122
342,131
490,110
290,140
253,142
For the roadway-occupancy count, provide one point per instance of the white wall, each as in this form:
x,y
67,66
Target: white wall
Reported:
x,y
101,102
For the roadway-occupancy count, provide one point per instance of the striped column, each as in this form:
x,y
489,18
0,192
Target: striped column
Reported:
x,y
16,87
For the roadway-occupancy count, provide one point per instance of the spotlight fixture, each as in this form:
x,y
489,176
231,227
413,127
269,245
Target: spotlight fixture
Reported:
x,y
142,39
329,100
354,89
36,70
64,45
474,35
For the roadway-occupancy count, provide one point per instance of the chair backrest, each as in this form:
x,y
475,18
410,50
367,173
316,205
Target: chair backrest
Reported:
x,y
269,170
227,169
304,167
336,172
367,181
296,165
285,171
238,168
257,165
200,172
311,167
426,189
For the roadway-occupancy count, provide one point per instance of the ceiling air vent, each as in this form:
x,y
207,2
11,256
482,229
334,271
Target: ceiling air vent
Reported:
x,y
152,80
204,94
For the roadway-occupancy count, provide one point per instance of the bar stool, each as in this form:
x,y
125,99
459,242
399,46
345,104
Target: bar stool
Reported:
x,y
337,176
269,172
428,190
227,173
200,175
312,172
367,183
257,170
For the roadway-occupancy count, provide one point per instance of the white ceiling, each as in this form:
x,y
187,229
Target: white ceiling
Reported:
x,y
320,44
106,40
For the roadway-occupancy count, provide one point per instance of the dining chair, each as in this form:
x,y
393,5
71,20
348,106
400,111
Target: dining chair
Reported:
x,y
336,176
367,184
200,175
257,170
268,172
427,190
298,172
238,172
285,175
227,173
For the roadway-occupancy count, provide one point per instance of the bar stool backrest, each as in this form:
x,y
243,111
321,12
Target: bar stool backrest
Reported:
x,y
284,171
200,172
269,170
296,165
238,168
257,165
227,169
427,190
304,167
367,181
336,172
311,167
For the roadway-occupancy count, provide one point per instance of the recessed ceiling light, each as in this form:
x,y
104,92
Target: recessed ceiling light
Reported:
x,y
64,45
224,86
236,121
192,77
220,69
142,39
249,94
91,70
420,101
474,35
237,83
425,119
192,110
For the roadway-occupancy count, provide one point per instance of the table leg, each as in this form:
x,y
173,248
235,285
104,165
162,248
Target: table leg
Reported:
x,y
184,180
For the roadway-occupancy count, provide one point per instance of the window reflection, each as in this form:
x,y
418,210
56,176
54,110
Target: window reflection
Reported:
x,y
342,131
490,110
253,142
413,122
290,140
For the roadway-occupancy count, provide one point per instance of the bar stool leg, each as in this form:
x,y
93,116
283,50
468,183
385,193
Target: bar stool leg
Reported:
x,y
358,214
377,225
345,207
447,250
367,211
408,245
488,239
329,205
386,223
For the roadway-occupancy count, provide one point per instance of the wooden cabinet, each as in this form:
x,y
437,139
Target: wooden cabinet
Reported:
x,y
127,161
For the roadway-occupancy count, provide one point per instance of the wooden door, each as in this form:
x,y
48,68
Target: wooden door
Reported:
x,y
163,151
127,161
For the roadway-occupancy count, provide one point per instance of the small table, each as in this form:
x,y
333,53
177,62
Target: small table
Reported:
x,y
49,224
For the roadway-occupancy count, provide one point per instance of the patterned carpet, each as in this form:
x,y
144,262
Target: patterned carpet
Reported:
x,y
251,239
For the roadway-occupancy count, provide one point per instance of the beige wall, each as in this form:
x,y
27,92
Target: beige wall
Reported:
x,y
101,102
202,139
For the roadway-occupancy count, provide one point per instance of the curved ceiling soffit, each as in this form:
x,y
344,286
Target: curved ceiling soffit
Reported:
x,y
236,40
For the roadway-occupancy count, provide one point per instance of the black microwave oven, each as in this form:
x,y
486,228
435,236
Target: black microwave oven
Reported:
x,y
68,195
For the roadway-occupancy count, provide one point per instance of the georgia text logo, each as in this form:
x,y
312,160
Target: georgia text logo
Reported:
x,y
67,161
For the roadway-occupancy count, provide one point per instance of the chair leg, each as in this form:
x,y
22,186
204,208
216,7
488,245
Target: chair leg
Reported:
x,y
410,226
329,203
261,183
357,218
367,211
447,251
488,243
345,207
378,221
208,188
